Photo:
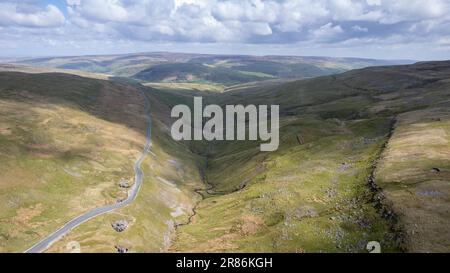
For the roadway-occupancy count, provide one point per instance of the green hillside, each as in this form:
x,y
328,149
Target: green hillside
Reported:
x,y
202,68
65,144
363,157
320,196
193,72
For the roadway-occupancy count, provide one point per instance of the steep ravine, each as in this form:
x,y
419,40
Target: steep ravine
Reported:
x,y
378,199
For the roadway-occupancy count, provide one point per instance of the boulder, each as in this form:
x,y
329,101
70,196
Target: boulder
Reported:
x,y
124,184
119,225
435,170
121,249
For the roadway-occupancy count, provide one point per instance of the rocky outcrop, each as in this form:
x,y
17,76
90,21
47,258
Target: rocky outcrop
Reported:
x,y
124,184
120,225
121,249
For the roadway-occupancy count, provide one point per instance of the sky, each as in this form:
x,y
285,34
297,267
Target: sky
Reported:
x,y
382,29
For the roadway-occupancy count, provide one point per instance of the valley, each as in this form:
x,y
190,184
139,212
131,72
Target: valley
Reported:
x,y
217,71
364,156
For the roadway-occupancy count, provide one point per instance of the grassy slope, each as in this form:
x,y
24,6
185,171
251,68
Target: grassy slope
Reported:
x,y
303,198
201,68
297,199
171,174
197,72
300,198
417,192
57,160
65,142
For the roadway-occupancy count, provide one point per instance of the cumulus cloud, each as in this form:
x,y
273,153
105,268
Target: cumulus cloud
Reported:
x,y
360,29
327,32
25,14
319,22
256,21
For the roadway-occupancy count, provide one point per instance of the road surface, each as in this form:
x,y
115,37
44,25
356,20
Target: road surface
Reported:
x,y
132,194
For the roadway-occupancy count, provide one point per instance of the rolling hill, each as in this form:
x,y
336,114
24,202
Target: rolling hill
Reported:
x,y
66,143
200,68
372,165
364,156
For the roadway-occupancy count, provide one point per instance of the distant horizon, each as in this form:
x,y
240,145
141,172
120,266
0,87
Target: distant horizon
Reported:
x,y
211,54
370,29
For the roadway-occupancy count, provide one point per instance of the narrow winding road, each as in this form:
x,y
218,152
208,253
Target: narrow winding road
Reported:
x,y
132,194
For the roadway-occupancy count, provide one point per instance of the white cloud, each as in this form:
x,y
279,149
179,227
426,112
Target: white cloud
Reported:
x,y
415,10
25,15
73,2
322,23
327,32
102,10
360,29
245,20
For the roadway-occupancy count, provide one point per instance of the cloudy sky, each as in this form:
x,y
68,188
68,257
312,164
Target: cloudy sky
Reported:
x,y
389,29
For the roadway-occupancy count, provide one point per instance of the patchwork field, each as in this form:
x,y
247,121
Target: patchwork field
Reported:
x,y
222,70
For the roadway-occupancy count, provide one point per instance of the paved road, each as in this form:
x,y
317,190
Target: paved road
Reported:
x,y
132,194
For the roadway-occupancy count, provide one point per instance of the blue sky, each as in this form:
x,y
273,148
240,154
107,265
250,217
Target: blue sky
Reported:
x,y
60,4
385,29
